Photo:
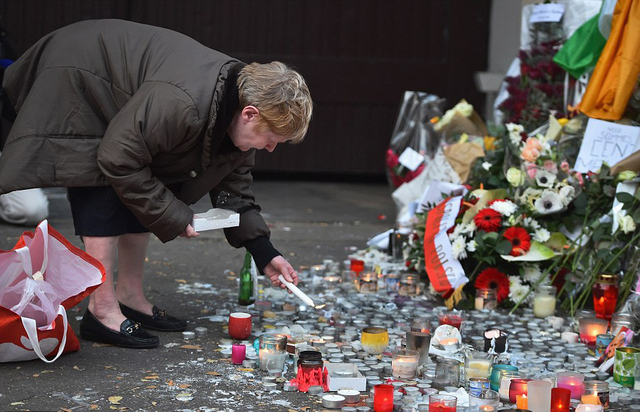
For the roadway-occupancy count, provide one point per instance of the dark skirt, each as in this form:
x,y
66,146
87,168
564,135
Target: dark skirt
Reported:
x,y
98,211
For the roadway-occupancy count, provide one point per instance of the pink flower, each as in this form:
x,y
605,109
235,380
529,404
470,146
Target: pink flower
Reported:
x,y
530,154
532,170
550,166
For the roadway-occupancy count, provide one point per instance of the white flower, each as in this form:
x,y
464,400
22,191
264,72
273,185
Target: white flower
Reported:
x,y
532,273
627,225
549,202
567,193
457,231
469,227
545,179
517,292
472,245
486,165
515,177
530,196
504,207
531,223
515,128
459,248
463,108
541,235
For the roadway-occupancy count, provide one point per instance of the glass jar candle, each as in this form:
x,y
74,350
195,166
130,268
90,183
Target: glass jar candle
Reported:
x,y
409,285
620,320
596,393
605,295
590,328
486,299
495,374
573,381
442,403
391,282
367,282
544,301
374,340
539,396
404,363
477,364
485,399
451,318
273,352
420,342
517,386
560,400
447,373
383,398
505,378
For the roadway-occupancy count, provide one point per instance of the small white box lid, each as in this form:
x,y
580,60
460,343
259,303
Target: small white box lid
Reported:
x,y
215,219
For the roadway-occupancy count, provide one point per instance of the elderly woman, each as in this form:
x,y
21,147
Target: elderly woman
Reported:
x,y
138,122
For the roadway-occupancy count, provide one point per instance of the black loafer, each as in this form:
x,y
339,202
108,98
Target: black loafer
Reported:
x,y
158,321
131,335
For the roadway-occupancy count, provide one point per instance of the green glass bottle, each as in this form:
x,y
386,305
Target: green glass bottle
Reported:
x,y
248,277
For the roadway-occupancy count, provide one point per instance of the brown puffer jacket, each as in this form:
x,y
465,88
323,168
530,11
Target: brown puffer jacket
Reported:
x,y
136,107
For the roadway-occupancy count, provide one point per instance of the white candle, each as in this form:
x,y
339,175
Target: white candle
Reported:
x,y
544,306
556,322
404,368
479,303
570,337
270,360
478,368
590,408
300,294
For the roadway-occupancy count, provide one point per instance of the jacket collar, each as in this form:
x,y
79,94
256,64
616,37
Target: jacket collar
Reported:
x,y
224,105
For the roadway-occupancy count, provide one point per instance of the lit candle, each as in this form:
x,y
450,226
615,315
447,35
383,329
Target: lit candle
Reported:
x,y
404,364
560,400
592,399
449,341
478,368
521,402
572,381
486,408
590,408
590,328
383,398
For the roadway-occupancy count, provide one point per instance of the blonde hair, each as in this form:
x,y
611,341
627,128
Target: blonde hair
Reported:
x,y
280,94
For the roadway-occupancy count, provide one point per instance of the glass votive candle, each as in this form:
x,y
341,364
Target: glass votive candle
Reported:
x,y
573,381
447,373
404,363
367,282
391,282
486,398
238,354
517,386
505,378
590,328
374,340
560,400
486,299
409,284
495,375
605,295
477,364
451,318
383,398
544,301
442,403
420,342
596,393
273,352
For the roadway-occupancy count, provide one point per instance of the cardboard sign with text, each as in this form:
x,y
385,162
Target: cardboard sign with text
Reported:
x,y
444,271
606,142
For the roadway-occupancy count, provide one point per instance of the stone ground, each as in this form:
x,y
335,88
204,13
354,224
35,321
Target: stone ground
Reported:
x,y
310,221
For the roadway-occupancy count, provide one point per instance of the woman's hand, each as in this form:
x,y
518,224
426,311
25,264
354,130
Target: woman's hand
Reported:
x,y
189,231
279,266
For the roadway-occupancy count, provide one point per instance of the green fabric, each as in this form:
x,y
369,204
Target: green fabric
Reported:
x,y
581,52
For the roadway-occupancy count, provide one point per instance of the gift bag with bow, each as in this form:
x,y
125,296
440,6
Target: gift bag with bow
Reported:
x,y
40,278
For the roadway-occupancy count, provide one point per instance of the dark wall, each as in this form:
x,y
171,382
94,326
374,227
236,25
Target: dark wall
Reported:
x,y
358,57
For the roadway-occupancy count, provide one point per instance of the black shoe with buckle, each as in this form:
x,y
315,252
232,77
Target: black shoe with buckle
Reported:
x,y
131,335
158,321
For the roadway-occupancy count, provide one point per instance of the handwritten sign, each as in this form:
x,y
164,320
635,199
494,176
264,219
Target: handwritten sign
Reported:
x,y
547,13
411,159
606,142
445,272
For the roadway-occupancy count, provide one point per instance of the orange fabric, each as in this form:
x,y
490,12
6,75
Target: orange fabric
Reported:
x,y
618,67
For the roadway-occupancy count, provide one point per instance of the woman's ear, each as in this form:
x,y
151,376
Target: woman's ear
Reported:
x,y
250,113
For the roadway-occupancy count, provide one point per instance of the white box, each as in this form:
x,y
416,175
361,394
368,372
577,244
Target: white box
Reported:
x,y
215,219
358,383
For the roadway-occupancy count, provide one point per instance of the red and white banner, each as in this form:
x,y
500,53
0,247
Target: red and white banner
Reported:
x,y
445,272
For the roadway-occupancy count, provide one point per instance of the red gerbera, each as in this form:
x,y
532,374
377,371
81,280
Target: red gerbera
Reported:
x,y
488,220
520,240
492,278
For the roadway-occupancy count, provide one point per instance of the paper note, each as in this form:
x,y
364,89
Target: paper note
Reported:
x,y
547,13
410,159
606,142
215,219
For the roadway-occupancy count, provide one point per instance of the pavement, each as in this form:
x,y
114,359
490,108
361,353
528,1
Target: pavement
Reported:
x,y
310,221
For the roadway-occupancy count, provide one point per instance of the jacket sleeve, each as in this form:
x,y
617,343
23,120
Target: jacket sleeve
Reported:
x,y
159,118
234,193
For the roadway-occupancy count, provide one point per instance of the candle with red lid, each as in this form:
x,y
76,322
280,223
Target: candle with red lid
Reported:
x,y
605,295
453,319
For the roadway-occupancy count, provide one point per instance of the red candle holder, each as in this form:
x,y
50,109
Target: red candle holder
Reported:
x,y
452,319
357,265
605,295
560,400
383,398
518,386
